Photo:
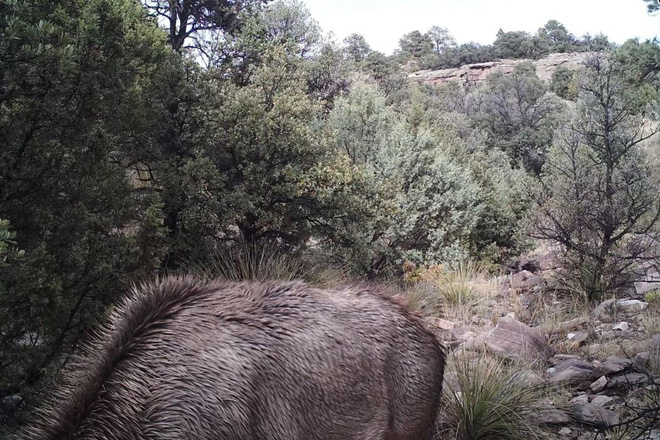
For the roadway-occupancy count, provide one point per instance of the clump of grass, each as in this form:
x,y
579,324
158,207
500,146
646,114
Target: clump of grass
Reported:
x,y
653,298
267,262
455,289
651,321
488,401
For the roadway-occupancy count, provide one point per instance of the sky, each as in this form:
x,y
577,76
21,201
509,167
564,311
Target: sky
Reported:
x,y
383,22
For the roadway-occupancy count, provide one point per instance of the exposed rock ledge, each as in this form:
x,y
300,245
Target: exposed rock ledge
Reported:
x,y
470,74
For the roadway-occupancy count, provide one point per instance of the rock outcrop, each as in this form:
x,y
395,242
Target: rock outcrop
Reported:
x,y
471,74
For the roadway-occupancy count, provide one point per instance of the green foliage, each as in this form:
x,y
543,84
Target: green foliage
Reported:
x,y
189,18
442,39
516,44
639,66
70,74
519,116
416,45
430,205
564,83
557,37
653,298
455,284
7,243
356,47
601,205
266,147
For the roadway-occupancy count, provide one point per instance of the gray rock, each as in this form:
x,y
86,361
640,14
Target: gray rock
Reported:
x,y
623,326
578,337
525,280
603,401
648,282
599,385
582,398
470,74
603,311
594,415
644,287
631,305
562,358
572,371
628,380
565,432
614,364
528,378
549,415
642,358
514,340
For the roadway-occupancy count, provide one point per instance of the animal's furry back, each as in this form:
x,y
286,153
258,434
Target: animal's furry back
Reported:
x,y
189,359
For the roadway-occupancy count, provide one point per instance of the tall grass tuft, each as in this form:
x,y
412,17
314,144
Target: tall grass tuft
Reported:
x,y
488,400
453,290
267,262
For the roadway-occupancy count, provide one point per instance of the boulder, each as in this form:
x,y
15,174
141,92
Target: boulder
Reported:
x,y
631,305
594,415
528,378
603,311
549,415
628,380
613,365
565,432
648,282
642,358
581,398
512,339
599,385
623,326
603,401
578,337
525,280
571,372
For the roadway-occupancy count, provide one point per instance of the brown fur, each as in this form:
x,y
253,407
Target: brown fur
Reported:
x,y
187,359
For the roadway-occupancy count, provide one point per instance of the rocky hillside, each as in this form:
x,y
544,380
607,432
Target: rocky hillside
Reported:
x,y
471,74
600,364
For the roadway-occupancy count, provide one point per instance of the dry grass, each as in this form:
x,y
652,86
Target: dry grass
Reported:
x,y
650,320
268,262
454,291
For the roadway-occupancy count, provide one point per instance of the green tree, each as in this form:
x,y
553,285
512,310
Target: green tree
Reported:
x,y
515,44
356,47
416,44
519,116
188,18
639,65
597,43
70,74
427,203
289,23
442,39
265,147
557,37
601,205
564,84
